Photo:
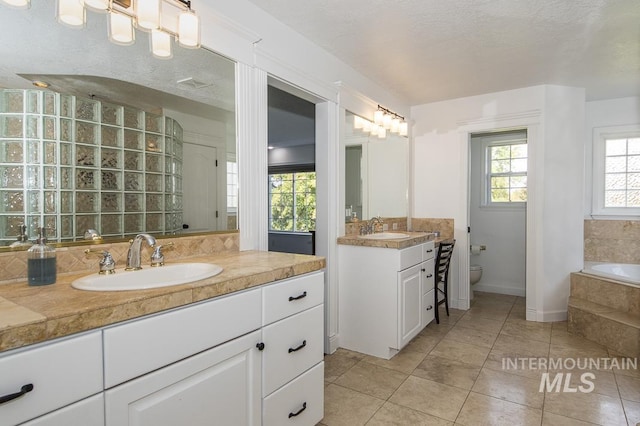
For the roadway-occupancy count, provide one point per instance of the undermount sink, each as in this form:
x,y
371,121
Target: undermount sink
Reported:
x,y
385,236
163,276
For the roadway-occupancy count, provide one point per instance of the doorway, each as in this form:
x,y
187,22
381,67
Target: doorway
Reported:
x,y
498,194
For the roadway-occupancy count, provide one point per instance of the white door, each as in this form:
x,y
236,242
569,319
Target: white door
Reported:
x,y
409,300
219,386
88,412
200,188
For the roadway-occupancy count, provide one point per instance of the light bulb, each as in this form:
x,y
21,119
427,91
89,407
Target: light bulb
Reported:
x,y
382,132
404,129
395,125
386,121
366,126
189,29
378,117
121,29
375,129
71,13
357,122
98,5
18,4
148,14
161,44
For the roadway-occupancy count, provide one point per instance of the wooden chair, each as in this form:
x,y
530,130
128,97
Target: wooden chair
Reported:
x,y
443,261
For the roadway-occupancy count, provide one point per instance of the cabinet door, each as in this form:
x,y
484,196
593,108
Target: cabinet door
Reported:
x,y
428,308
88,412
218,386
409,301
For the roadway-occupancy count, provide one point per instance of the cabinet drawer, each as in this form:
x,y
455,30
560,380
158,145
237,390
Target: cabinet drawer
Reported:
x,y
303,396
88,412
410,256
429,276
61,373
292,296
428,250
292,346
428,308
140,346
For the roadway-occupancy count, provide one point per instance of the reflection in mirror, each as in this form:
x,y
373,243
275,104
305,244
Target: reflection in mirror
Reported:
x,y
117,140
376,174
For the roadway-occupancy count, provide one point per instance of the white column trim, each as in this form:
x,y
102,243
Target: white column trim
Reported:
x,y
251,112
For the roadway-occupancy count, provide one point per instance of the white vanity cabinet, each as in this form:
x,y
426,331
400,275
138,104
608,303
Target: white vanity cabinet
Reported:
x,y
61,373
384,296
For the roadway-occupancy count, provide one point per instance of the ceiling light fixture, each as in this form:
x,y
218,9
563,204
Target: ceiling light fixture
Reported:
x,y
164,18
391,121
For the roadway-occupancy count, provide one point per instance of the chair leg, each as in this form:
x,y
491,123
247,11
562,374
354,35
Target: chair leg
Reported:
x,y
436,305
446,297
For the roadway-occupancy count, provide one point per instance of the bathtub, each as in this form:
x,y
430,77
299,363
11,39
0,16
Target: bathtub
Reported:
x,y
625,272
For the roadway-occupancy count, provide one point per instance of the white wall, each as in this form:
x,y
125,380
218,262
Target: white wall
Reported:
x,y
554,118
610,112
501,230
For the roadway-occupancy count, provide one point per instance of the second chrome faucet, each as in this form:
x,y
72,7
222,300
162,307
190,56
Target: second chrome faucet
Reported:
x,y
133,256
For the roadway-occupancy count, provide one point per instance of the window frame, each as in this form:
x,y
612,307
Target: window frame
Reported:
x,y
600,136
281,171
501,139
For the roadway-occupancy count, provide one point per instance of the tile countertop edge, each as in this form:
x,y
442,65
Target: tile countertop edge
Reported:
x,y
60,310
396,243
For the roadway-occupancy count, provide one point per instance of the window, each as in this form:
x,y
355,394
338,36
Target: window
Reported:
x,y
232,187
616,175
292,202
506,169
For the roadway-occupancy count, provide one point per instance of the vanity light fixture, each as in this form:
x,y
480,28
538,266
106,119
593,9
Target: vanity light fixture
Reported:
x,y
391,121
163,18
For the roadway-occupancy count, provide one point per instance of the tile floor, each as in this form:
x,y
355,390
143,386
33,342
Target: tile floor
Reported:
x,y
452,373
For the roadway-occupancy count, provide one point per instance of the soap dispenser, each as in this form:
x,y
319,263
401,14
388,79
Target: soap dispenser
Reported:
x,y
23,240
41,263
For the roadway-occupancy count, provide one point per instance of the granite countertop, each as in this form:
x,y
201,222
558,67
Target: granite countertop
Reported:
x,y
30,315
395,243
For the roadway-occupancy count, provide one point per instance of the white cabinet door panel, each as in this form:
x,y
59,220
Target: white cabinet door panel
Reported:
x,y
409,300
88,412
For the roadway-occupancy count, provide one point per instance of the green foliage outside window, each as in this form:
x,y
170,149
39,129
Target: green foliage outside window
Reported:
x,y
508,173
292,202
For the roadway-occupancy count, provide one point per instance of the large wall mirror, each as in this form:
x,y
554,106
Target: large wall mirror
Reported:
x,y
376,173
118,140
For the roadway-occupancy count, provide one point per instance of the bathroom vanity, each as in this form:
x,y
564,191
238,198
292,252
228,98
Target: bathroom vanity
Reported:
x,y
386,292
250,355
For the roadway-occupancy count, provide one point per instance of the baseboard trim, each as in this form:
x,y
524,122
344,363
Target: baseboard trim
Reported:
x,y
333,344
549,316
511,291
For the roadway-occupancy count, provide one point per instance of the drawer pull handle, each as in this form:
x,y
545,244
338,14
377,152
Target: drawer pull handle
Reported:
x,y
423,270
429,275
304,407
302,296
304,343
25,389
260,346
430,307
430,250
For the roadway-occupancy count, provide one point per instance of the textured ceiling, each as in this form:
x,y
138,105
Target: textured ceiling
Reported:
x,y
431,50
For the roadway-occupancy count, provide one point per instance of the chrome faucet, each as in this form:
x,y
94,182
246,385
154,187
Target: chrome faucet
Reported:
x,y
133,256
370,226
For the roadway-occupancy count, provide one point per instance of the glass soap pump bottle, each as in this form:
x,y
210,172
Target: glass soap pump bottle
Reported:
x,y
41,262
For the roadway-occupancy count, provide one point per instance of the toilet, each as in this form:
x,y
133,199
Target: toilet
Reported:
x,y
475,273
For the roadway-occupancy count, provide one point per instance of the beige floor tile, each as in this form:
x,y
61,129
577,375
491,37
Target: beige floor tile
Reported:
x,y
436,330
531,330
499,361
471,336
481,324
629,388
347,407
496,305
550,419
405,361
626,366
339,363
521,346
463,352
603,381
372,380
589,407
423,343
430,397
397,415
559,326
632,410
487,312
509,387
482,410
447,371
577,350
567,340
520,301
505,298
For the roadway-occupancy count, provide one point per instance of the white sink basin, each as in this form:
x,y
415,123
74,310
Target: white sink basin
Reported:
x,y
385,236
163,276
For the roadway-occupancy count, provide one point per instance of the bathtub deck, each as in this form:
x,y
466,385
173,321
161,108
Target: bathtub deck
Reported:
x,y
606,312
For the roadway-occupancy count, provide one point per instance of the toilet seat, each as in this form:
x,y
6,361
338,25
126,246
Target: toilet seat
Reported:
x,y
475,268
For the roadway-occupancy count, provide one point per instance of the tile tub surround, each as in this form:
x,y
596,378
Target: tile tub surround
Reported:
x,y
616,241
13,264
34,314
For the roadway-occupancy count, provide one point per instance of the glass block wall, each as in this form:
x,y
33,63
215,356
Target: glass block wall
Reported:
x,y
71,164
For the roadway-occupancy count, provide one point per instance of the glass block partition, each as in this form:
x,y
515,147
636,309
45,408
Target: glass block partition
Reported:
x,y
71,164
